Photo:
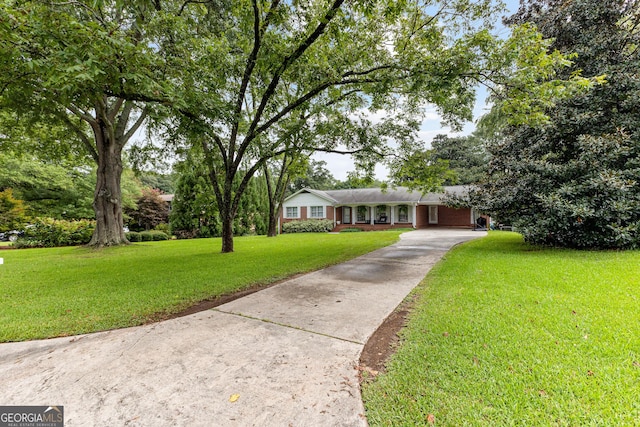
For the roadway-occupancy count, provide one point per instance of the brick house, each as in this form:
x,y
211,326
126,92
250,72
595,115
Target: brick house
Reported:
x,y
374,209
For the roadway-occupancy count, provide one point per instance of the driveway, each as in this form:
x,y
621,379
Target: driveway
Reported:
x,y
284,356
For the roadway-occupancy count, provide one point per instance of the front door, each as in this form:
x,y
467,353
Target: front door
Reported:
x,y
346,215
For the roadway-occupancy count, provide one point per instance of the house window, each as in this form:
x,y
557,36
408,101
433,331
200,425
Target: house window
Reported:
x,y
361,214
317,211
292,212
403,213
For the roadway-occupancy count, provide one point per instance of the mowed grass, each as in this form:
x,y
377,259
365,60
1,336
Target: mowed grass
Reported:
x,y
66,291
506,334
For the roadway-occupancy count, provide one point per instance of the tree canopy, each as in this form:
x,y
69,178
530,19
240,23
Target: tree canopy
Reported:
x,y
239,78
574,181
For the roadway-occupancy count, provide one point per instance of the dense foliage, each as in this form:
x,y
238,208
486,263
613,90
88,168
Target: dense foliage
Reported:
x,y
12,211
150,211
48,233
574,182
195,211
308,226
466,155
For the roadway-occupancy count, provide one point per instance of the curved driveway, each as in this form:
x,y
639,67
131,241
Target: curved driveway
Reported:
x,y
284,356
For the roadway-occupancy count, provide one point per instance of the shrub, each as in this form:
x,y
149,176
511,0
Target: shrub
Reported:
x,y
164,227
133,236
146,236
48,232
23,243
159,235
308,226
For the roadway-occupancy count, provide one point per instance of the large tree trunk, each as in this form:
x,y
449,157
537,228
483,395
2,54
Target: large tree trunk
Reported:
x,y
227,229
272,231
107,201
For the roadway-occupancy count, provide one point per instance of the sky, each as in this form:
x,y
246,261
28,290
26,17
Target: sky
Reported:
x,y
340,164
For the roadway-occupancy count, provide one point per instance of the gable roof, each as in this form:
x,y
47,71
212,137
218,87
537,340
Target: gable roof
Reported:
x,y
399,195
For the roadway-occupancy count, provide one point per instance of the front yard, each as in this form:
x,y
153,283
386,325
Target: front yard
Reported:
x,y
66,291
505,334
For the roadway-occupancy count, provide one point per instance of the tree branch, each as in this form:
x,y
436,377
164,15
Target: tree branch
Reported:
x,y
309,95
286,63
134,128
83,137
81,114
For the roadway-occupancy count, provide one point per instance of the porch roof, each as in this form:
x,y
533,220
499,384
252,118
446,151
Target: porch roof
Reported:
x,y
373,196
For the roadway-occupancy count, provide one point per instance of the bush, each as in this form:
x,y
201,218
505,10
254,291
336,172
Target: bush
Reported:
x,y
159,235
48,233
23,243
133,236
146,236
351,230
308,226
150,236
164,227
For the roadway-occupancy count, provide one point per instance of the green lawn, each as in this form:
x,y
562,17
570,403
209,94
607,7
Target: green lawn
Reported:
x,y
505,334
65,291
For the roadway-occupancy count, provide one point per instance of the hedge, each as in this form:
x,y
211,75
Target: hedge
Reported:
x,y
308,226
150,236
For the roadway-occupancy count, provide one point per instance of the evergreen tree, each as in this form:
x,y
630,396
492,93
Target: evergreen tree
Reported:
x,y
574,182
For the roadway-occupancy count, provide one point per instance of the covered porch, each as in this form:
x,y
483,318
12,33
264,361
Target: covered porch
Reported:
x,y
375,216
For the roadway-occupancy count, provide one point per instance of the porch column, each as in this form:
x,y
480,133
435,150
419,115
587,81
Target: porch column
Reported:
x,y
335,219
371,216
415,211
392,215
354,214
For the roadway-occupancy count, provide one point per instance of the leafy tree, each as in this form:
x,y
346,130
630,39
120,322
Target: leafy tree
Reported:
x,y
12,211
49,190
466,155
194,212
316,176
150,211
359,179
235,74
278,173
162,182
574,182
422,170
253,214
68,63
61,190
281,61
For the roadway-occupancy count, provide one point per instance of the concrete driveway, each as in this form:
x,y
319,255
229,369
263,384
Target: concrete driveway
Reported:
x,y
284,356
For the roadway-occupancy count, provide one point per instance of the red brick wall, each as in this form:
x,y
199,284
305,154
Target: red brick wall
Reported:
x,y
450,217
447,217
422,216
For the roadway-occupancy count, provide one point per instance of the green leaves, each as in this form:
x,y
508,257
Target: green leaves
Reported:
x,y
573,182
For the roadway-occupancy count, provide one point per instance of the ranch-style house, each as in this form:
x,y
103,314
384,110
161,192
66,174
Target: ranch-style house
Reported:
x,y
375,209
